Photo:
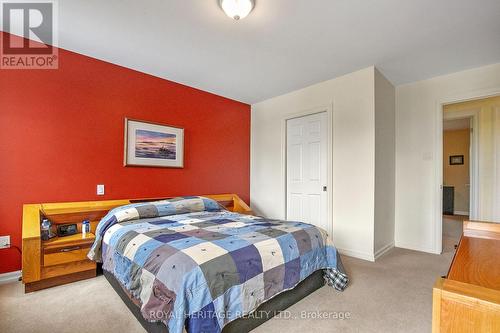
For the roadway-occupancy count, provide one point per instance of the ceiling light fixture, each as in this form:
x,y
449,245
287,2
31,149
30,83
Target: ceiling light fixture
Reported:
x,y
237,9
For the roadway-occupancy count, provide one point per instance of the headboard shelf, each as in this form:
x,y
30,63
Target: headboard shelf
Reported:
x,y
41,270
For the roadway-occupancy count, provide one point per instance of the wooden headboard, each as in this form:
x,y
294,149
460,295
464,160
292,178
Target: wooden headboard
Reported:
x,y
76,212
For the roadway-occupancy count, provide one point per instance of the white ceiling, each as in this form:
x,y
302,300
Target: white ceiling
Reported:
x,y
283,45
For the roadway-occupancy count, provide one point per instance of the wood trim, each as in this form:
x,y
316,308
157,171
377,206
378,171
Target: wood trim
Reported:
x,y
81,206
59,280
454,258
468,300
76,239
31,259
462,307
31,221
470,291
239,205
77,217
66,248
436,305
476,263
67,268
481,225
482,234
53,257
90,206
31,243
467,308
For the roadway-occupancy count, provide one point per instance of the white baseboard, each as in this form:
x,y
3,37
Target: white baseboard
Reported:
x,y
357,254
415,247
460,212
383,250
10,277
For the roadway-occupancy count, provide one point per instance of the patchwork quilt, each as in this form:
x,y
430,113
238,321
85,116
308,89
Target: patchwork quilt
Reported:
x,y
191,263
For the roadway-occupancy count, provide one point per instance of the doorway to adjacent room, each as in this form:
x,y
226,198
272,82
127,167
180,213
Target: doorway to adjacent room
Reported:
x,y
457,136
470,165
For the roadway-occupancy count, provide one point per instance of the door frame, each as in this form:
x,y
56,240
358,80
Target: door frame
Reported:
x,y
472,114
438,161
328,108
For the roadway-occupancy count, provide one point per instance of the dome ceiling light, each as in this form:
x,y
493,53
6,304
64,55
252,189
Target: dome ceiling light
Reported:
x,y
237,9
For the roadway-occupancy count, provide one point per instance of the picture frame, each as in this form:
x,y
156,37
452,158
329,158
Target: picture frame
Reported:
x,y
151,144
456,159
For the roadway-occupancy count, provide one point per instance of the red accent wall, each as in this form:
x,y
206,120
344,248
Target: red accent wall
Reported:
x,y
62,133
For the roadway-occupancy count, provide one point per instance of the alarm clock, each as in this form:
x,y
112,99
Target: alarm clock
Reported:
x,y
66,230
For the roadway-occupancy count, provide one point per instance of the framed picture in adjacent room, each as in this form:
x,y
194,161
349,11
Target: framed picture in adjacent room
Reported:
x,y
456,159
152,144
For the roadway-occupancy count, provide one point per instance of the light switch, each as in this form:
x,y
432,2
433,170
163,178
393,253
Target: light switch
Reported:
x,y
100,189
4,242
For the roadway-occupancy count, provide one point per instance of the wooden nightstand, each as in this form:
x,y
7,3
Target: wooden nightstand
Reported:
x,y
65,259
59,260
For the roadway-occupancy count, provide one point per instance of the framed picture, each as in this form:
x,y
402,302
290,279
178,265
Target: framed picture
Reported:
x,y
456,159
152,144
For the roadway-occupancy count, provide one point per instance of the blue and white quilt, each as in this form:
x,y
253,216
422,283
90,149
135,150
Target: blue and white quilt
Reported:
x,y
190,263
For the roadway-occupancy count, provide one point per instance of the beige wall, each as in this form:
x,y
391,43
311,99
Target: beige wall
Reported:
x,y
353,129
385,163
457,142
363,137
418,136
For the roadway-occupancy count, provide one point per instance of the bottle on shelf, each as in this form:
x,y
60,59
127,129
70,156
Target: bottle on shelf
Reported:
x,y
46,232
85,227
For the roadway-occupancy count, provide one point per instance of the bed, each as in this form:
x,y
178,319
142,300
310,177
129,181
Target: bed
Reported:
x,y
188,263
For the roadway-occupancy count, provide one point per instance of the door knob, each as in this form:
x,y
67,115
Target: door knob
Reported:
x,y
324,188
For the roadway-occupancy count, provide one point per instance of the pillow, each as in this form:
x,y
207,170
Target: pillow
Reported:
x,y
179,205
137,211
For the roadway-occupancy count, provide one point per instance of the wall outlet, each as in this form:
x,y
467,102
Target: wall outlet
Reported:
x,y
100,189
4,242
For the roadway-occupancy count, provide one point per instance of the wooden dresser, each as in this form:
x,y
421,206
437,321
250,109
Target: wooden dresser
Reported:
x,y
468,299
62,260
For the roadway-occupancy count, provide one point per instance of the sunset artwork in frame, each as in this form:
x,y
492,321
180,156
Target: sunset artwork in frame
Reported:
x,y
153,144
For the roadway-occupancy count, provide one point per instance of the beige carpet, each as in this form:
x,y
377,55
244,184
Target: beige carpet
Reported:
x,y
391,295
452,231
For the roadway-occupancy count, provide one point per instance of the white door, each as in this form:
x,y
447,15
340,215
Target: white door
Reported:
x,y
306,170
